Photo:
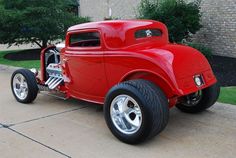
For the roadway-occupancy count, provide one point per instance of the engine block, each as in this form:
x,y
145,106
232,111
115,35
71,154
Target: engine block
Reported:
x,y
55,76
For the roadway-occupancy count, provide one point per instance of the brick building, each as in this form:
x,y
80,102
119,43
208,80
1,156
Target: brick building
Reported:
x,y
218,19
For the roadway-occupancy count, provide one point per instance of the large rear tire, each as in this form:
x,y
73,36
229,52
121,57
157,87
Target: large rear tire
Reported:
x,y
24,86
135,111
207,98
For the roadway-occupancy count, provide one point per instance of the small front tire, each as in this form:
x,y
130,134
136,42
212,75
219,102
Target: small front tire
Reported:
x,y
24,86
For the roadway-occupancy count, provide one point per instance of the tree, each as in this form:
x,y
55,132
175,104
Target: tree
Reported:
x,y
182,18
36,21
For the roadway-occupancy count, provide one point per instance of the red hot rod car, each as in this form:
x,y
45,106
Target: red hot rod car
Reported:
x,y
128,66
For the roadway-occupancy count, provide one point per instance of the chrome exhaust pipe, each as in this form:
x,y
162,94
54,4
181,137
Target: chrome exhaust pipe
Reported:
x,y
53,83
56,84
46,83
54,79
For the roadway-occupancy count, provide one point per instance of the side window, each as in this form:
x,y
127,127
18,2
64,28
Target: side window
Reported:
x,y
85,39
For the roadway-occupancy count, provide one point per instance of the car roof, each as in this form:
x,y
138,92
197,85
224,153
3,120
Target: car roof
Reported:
x,y
112,23
120,33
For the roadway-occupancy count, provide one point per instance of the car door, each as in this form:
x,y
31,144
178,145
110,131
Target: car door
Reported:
x,y
84,57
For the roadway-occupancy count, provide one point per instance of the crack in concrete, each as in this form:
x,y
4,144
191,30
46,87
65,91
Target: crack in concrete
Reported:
x,y
8,126
3,125
47,116
31,139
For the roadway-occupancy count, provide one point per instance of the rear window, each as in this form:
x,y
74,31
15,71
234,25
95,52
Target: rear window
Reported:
x,y
85,39
144,33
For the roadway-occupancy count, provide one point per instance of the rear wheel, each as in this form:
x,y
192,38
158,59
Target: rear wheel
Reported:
x,y
24,86
200,101
134,111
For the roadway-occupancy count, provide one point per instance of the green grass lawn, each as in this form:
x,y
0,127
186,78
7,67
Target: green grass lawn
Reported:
x,y
228,95
25,64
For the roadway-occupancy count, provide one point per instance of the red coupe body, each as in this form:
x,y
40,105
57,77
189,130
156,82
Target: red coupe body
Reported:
x,y
99,55
128,66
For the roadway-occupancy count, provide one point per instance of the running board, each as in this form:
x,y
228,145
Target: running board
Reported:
x,y
47,91
56,95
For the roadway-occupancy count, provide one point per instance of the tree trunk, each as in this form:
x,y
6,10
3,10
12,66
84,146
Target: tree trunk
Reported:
x,y
36,42
44,44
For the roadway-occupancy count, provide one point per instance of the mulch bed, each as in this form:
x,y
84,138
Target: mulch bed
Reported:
x,y
30,54
223,67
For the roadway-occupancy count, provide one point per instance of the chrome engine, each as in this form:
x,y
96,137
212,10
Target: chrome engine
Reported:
x,y
55,76
53,69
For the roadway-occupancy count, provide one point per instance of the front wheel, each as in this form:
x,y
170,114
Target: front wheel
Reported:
x,y
136,110
200,101
24,86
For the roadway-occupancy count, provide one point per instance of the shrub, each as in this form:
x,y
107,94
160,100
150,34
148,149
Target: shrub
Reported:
x,y
181,18
207,52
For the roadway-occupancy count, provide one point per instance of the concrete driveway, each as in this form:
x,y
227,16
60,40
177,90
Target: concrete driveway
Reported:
x,y
53,128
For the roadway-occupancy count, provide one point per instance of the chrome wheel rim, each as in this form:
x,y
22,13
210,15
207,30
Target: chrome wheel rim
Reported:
x,y
20,86
126,114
